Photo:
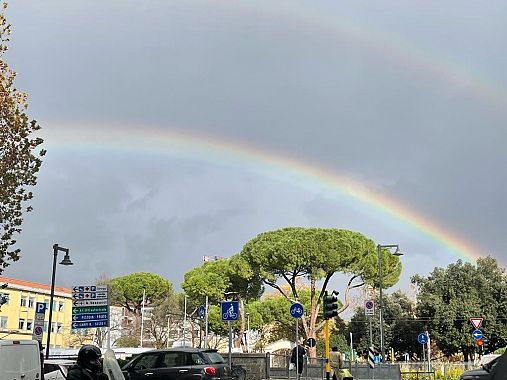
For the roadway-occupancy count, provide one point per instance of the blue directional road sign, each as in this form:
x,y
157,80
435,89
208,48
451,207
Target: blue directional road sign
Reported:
x,y
376,359
201,312
90,317
229,310
90,306
422,338
296,310
477,334
88,324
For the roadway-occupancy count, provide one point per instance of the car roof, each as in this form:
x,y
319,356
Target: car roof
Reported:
x,y
182,349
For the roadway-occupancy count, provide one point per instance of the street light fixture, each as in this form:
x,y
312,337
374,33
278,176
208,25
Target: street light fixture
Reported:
x,y
65,261
381,308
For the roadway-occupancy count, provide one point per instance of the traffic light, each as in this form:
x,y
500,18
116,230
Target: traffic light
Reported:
x,y
485,345
329,305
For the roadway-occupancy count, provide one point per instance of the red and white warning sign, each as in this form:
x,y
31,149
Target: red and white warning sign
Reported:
x,y
476,322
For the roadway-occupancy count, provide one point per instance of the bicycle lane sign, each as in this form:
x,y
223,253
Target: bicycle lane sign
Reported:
x,y
229,310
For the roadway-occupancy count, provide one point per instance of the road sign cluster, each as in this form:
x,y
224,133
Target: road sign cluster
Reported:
x,y
477,334
38,321
90,306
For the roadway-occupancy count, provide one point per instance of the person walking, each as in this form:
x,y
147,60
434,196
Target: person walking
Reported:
x,y
297,357
336,362
89,366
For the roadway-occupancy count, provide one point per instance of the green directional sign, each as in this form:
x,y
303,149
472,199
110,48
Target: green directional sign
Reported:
x,y
89,309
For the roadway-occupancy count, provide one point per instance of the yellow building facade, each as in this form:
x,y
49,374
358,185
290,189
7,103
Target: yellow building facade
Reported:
x,y
18,312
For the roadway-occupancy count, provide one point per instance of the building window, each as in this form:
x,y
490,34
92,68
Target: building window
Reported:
x,y
53,327
59,328
60,306
45,327
29,325
31,302
54,305
21,324
3,322
23,302
4,298
46,301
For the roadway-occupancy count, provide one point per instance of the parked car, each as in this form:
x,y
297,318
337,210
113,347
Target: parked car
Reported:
x,y
177,364
20,360
482,373
56,369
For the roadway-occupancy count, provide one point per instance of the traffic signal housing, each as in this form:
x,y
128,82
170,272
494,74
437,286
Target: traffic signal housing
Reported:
x,y
329,305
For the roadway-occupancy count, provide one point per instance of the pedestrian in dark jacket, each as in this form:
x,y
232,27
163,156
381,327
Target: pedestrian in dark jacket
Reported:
x,y
89,366
297,357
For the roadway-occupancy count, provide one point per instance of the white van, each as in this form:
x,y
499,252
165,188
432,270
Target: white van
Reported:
x,y
20,360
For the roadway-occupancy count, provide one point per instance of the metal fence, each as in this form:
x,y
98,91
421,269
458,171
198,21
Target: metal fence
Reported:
x,y
313,368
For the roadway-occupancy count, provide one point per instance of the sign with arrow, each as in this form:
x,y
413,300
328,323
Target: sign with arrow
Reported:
x,y
476,322
90,295
90,306
90,317
88,324
89,309
92,288
82,303
477,334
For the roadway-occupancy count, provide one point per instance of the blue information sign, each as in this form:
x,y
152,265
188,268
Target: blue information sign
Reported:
x,y
296,310
229,310
477,334
40,308
88,324
90,317
422,338
201,311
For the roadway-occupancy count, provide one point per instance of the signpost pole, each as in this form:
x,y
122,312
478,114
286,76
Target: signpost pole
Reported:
x,y
297,348
230,346
206,325
429,352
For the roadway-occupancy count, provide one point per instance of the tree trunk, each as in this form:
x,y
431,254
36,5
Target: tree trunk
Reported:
x,y
238,340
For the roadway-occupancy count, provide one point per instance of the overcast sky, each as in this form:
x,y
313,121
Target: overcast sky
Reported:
x,y
407,99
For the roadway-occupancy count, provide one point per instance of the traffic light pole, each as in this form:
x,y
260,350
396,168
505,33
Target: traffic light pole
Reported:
x,y
328,365
329,310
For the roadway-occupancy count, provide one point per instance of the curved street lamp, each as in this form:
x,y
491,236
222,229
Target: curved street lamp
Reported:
x,y
65,261
381,302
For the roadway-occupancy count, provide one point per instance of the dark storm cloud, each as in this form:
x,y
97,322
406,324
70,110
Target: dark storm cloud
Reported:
x,y
406,98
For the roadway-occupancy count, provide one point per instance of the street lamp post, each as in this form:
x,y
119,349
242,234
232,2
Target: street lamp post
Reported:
x,y
185,322
248,332
381,302
65,261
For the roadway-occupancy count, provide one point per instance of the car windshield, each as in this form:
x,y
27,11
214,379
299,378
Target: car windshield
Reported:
x,y
214,357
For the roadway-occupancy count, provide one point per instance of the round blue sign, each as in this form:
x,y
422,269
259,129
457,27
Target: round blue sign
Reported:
x,y
477,334
422,338
201,311
296,310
